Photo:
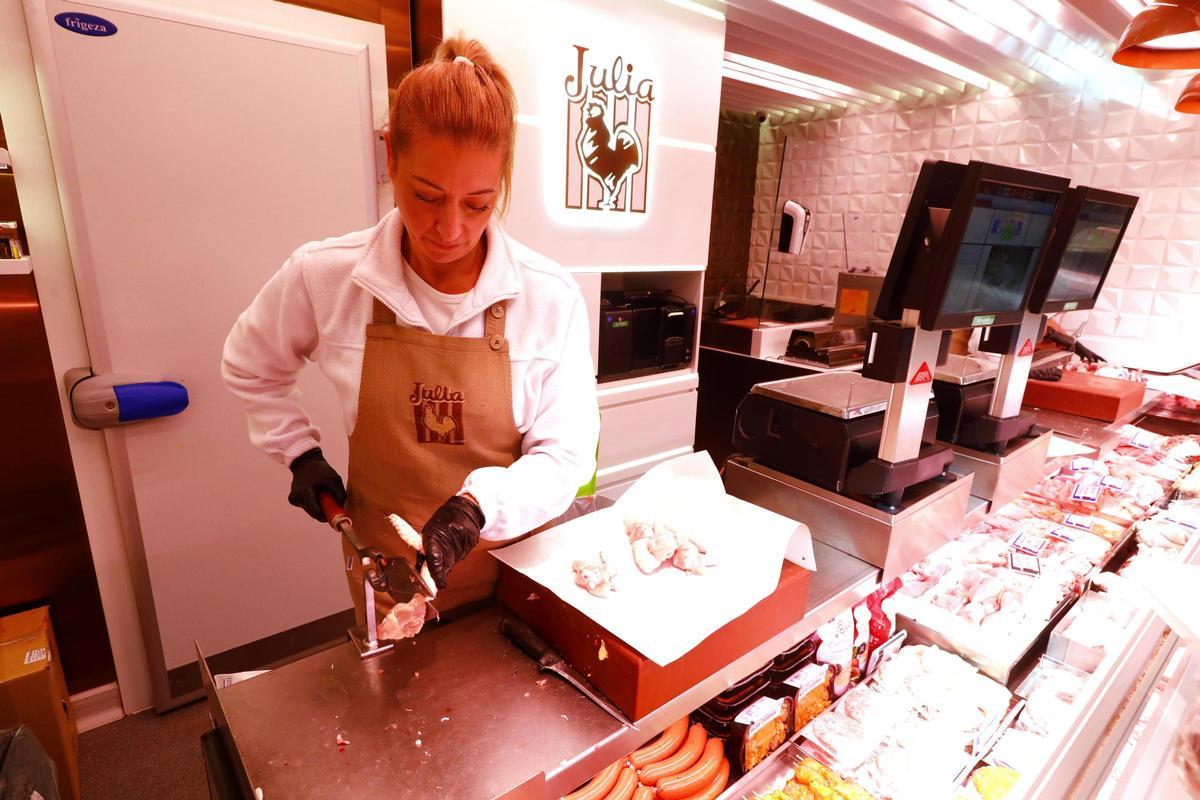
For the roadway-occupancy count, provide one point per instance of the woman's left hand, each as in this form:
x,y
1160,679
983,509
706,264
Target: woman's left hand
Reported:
x,y
449,536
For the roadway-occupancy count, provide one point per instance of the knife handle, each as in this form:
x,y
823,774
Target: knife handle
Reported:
x,y
335,515
525,638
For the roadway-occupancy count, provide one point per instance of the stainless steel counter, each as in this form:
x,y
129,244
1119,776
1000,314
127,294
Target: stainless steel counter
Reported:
x,y
460,712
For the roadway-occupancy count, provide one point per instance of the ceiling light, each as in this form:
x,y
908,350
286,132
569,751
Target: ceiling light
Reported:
x,y
869,33
805,89
735,74
1189,101
1162,36
768,68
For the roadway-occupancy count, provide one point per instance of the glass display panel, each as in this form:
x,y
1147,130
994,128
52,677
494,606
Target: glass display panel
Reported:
x,y
999,251
1089,251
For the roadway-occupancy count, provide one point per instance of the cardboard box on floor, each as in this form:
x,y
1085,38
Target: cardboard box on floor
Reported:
x,y
33,692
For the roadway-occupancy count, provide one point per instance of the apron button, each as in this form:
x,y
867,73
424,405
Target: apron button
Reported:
x,y
497,311
496,342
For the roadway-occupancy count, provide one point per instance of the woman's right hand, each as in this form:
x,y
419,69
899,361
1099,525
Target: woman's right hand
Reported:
x,y
311,475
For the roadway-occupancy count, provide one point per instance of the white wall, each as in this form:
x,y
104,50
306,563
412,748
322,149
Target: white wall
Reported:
x,y
1117,131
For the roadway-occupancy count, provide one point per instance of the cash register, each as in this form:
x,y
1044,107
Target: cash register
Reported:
x,y
979,397
855,456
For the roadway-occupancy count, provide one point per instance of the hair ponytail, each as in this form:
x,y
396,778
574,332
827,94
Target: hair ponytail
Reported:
x,y
463,94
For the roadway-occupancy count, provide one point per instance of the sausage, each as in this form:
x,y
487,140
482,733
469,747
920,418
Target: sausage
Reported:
x,y
714,789
699,776
626,782
663,746
644,793
600,785
684,758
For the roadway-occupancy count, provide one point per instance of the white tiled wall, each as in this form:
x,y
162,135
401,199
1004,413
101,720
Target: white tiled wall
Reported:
x,y
1117,131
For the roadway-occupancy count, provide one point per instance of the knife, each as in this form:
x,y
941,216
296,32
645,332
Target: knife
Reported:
x,y
389,574
549,660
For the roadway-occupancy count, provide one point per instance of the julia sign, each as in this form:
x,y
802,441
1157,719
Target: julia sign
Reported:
x,y
608,135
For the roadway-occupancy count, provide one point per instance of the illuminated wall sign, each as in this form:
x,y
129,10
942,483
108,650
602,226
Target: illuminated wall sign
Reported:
x,y
608,135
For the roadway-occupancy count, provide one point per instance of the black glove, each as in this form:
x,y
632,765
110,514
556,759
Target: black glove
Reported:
x,y
1047,374
1087,355
312,474
449,535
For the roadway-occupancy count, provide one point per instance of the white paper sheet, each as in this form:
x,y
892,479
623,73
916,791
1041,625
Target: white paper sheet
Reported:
x,y
665,614
1181,385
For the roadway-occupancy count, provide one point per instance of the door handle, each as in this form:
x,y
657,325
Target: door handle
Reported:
x,y
107,401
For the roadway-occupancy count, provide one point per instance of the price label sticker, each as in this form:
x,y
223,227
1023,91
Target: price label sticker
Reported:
x,y
1024,563
1030,543
1081,521
1081,464
1063,534
1116,484
1086,492
1143,440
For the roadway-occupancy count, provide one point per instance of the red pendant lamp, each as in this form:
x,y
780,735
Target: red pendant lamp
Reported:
x,y
1148,43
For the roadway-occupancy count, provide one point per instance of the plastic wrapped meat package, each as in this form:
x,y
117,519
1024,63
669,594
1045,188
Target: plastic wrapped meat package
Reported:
x,y
1143,444
1170,528
910,729
1073,549
968,592
1028,505
1098,620
1120,500
1049,692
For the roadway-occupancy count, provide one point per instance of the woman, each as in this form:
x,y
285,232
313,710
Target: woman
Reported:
x,y
461,358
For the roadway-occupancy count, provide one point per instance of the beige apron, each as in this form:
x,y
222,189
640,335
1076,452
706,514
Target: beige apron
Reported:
x,y
430,410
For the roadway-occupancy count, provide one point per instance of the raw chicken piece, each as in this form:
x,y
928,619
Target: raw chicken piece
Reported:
x,y
664,542
595,576
645,560
688,557
405,620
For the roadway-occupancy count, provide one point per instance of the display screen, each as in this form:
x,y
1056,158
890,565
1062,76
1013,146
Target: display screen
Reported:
x,y
999,251
1089,251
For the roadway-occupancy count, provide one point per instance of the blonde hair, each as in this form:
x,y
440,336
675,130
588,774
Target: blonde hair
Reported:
x,y
463,94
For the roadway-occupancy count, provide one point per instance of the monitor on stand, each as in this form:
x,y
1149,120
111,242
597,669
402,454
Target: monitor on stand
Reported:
x,y
967,255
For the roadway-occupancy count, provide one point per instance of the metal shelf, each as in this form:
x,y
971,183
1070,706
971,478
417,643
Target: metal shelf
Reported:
x,y
841,581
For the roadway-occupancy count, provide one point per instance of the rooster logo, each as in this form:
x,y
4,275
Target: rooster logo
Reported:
x,y
608,154
441,425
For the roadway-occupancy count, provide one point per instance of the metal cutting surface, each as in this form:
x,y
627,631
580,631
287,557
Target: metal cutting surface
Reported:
x,y
458,712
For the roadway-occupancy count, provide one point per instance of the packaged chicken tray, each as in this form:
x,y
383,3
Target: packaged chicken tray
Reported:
x,y
914,727
1028,505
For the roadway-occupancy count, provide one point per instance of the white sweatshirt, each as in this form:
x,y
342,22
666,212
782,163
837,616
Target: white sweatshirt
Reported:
x,y
317,307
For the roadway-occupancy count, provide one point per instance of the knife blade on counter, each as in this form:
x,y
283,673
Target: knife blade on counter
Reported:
x,y
550,660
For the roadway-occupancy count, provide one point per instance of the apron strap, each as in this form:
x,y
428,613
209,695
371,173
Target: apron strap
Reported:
x,y
493,325
381,313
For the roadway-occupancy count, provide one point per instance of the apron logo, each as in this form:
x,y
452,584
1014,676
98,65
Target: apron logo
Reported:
x,y
438,413
608,136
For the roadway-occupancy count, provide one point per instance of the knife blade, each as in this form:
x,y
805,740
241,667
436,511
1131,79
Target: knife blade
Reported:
x,y
550,660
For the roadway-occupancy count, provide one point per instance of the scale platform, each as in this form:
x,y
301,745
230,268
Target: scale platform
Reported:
x,y
826,429
967,370
930,515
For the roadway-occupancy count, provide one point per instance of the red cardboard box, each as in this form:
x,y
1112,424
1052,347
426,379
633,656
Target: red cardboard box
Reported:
x,y
634,683
33,692
1087,395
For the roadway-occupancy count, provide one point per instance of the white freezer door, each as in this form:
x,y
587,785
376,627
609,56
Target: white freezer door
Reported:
x,y
195,148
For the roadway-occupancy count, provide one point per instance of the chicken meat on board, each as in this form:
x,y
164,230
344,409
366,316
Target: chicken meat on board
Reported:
x,y
595,575
656,541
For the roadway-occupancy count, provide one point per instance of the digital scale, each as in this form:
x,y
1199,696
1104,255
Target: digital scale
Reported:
x,y
881,465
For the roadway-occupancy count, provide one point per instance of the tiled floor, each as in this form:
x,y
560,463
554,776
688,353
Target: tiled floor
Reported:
x,y
146,757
